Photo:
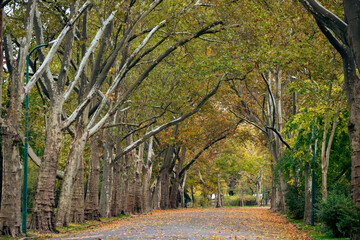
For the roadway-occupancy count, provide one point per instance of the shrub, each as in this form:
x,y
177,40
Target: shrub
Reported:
x,y
235,200
295,202
338,214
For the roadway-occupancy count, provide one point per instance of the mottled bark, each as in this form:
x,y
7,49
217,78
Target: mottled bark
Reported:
x,y
125,169
10,218
77,200
325,153
156,194
192,195
308,193
218,199
165,177
116,184
138,189
74,161
182,191
130,200
176,182
43,216
130,180
258,192
273,192
105,196
146,172
91,210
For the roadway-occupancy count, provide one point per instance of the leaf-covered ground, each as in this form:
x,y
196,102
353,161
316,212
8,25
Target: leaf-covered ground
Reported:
x,y
224,223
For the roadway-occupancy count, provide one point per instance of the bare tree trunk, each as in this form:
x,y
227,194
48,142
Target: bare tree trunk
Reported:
x,y
130,206
192,196
138,188
125,178
91,210
116,184
182,191
77,201
258,192
273,190
10,218
63,217
130,199
146,172
165,177
156,195
123,186
325,152
176,183
242,196
43,216
218,201
308,194
204,192
105,196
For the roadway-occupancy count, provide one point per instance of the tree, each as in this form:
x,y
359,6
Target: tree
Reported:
x,y
344,36
10,219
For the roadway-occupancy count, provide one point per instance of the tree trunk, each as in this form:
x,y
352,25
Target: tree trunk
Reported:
x,y
125,178
308,194
138,188
105,196
115,192
258,192
242,196
182,191
218,201
325,153
43,216
91,210
130,194
176,183
273,190
10,217
165,178
77,201
130,203
63,217
156,196
146,172
192,196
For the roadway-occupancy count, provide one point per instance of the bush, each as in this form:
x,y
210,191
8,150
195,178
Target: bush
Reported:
x,y
295,202
339,215
235,200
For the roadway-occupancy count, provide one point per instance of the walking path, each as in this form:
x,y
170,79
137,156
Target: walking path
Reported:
x,y
224,223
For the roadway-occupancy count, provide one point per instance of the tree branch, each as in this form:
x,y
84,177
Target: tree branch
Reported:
x,y
169,124
330,20
280,137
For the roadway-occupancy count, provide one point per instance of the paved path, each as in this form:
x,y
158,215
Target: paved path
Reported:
x,y
225,223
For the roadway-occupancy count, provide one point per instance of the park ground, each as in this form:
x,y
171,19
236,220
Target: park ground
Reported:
x,y
213,223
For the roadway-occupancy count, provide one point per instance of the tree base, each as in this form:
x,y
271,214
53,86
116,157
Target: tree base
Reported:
x,y
12,231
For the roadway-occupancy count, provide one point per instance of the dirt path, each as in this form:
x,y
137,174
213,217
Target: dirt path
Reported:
x,y
225,223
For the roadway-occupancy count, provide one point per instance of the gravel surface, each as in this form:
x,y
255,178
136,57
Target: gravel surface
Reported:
x,y
224,223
